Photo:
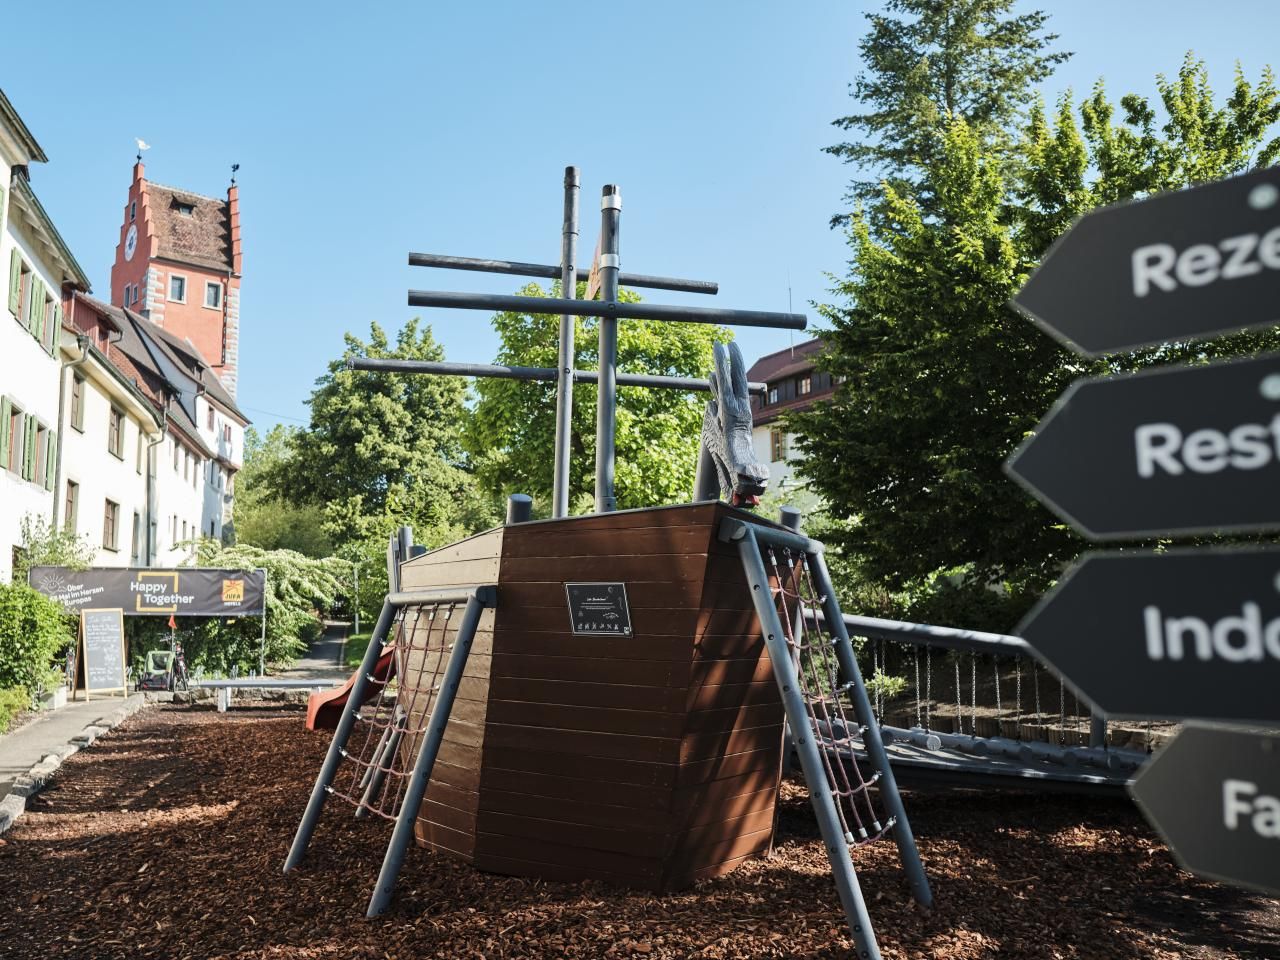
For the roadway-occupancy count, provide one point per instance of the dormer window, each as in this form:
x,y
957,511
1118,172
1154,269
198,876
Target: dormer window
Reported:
x,y
184,208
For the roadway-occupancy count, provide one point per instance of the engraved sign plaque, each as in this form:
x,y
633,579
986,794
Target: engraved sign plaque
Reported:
x,y
599,608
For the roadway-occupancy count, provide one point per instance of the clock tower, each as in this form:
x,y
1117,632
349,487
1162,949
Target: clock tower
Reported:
x,y
178,264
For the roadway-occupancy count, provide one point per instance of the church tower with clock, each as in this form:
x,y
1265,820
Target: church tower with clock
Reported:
x,y
178,264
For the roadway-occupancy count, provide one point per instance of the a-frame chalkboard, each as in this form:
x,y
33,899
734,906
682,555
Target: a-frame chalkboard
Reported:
x,y
102,652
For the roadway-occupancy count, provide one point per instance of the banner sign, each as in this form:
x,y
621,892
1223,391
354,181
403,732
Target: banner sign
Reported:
x,y
152,592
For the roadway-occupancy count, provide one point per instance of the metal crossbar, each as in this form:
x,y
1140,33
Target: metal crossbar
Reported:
x,y
429,634
820,684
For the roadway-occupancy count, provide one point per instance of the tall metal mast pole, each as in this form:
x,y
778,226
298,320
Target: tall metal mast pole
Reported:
x,y
607,395
564,383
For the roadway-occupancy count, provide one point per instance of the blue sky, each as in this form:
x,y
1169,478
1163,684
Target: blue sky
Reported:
x,y
366,131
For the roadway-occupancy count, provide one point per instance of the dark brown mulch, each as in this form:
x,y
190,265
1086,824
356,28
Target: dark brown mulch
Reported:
x,y
167,839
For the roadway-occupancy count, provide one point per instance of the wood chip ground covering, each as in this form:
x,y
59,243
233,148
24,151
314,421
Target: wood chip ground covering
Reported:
x,y
166,839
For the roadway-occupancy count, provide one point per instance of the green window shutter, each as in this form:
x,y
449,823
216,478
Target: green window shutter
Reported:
x,y
5,411
37,311
28,445
15,280
50,458
33,295
54,334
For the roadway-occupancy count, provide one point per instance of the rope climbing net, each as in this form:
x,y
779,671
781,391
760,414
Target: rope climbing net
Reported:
x,y
824,692
402,690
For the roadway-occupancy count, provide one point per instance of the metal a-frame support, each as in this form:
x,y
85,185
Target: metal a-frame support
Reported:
x,y
476,599
749,538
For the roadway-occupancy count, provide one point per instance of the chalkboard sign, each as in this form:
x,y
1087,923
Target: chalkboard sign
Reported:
x,y
102,650
599,608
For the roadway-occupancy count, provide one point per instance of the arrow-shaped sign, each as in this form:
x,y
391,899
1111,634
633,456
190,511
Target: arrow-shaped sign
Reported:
x,y
1181,265
1186,634
1178,450
1214,795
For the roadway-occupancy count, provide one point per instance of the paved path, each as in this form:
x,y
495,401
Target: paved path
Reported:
x,y
48,733
324,658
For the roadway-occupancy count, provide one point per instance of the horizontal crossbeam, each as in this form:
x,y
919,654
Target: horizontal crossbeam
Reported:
x,y
499,302
442,368
549,272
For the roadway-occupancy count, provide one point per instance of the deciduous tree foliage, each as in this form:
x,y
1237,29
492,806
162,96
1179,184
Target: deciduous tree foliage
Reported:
x,y
262,517
942,379
511,437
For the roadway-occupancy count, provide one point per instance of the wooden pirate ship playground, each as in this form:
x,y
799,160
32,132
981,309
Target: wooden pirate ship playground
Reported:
x,y
610,696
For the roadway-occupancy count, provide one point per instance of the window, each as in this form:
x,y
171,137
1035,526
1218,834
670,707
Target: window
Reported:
x,y
141,448
195,473
136,551
211,418
133,210
773,394
184,208
184,529
212,294
186,465
17,439
804,386
135,294
177,288
39,472
73,501
115,433
211,533
226,432
777,444
77,402
110,525
175,529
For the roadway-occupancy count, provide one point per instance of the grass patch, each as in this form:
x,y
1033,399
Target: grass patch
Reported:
x,y
13,700
357,643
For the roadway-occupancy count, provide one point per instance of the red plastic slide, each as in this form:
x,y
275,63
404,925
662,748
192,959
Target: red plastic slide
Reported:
x,y
324,707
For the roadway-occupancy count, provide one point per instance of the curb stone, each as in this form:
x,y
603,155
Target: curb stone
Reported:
x,y
30,783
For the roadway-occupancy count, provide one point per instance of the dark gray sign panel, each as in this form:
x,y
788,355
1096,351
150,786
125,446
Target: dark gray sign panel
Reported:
x,y
599,608
1214,795
102,646
1185,634
1178,266
1179,450
151,592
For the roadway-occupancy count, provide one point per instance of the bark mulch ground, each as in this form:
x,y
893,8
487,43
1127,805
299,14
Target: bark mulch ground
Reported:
x,y
167,838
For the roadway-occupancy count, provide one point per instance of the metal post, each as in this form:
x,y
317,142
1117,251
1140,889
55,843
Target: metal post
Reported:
x,y
607,390
403,550
564,383
790,518
417,786
1097,730
519,508
355,609
902,834
855,908
262,641
354,699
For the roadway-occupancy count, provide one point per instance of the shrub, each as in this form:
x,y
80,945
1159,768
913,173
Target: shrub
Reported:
x,y
33,630
13,701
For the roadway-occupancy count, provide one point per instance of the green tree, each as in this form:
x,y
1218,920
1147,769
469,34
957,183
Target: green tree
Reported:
x,y
929,62
261,517
942,379
385,448
511,436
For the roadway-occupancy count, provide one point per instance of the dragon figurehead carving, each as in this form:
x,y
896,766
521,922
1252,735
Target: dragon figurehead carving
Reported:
x,y
727,464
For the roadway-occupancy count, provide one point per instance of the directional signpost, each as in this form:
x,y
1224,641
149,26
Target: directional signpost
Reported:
x,y
1179,450
1183,634
1181,265
1214,795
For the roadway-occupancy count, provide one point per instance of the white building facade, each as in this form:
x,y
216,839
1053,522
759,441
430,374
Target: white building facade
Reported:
x,y
40,272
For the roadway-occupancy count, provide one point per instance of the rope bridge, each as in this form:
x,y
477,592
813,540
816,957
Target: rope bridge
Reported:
x,y
384,747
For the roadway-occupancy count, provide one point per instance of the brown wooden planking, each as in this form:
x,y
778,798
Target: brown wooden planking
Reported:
x,y
459,778
721,672
630,839
639,541
641,869
435,836
487,543
711,696
729,765
551,614
645,673
552,787
648,594
622,696
691,877
461,820
648,723
562,643
626,568
586,807
663,776
578,743
718,743
711,861
514,866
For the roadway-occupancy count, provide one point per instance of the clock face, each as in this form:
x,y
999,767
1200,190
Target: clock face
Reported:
x,y
131,241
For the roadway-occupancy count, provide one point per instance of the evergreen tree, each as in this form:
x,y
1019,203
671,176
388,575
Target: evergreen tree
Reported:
x,y
929,62
942,379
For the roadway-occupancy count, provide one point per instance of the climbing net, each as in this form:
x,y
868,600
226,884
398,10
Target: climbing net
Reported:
x,y
823,689
379,756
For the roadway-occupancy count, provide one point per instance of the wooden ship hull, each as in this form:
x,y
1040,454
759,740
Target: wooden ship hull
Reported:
x,y
649,760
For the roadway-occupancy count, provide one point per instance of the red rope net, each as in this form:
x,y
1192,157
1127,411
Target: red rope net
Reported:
x,y
380,753
813,655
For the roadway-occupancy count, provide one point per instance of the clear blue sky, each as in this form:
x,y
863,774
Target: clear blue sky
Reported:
x,y
365,131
